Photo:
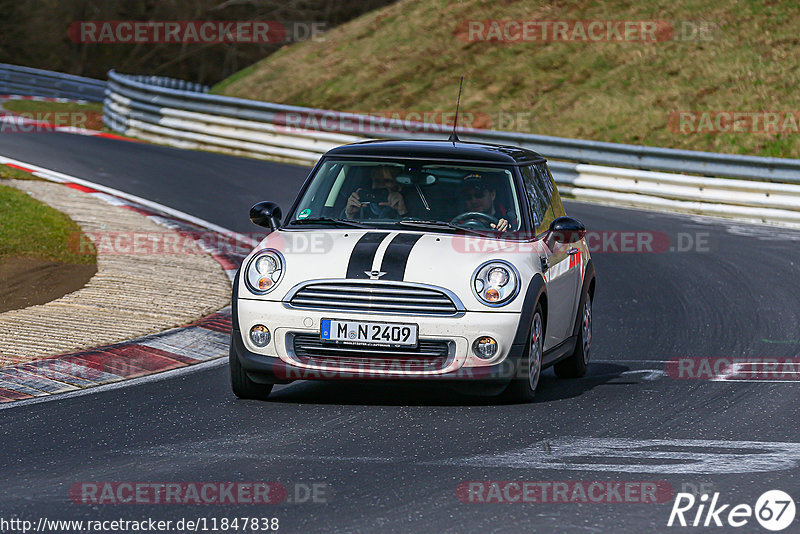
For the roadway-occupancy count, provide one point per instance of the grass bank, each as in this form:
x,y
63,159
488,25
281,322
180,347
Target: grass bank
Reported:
x,y
32,229
722,56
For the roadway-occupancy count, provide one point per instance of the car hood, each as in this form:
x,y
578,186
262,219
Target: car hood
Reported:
x,y
436,259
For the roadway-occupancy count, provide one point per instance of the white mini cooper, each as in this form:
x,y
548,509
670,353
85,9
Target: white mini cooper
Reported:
x,y
421,260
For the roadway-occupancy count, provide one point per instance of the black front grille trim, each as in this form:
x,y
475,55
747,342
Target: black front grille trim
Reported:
x,y
429,355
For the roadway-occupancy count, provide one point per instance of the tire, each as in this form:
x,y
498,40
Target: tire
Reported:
x,y
242,386
575,365
528,369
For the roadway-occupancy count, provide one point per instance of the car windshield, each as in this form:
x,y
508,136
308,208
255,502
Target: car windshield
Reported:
x,y
411,193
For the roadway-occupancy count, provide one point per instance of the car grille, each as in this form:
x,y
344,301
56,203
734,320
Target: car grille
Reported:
x,y
428,356
374,298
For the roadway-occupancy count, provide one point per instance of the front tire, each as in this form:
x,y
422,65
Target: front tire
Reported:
x,y
575,366
242,386
529,367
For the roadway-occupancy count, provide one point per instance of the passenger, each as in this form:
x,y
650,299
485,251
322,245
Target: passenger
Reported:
x,y
383,178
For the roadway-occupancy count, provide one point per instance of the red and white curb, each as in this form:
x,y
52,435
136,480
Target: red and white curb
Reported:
x,y
201,341
204,340
18,123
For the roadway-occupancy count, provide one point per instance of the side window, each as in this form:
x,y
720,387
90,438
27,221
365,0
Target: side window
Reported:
x,y
539,192
547,177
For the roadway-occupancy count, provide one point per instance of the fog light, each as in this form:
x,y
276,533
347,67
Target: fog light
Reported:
x,y
260,335
484,347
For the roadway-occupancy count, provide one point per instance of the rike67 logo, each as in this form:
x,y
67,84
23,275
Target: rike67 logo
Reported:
x,y
774,510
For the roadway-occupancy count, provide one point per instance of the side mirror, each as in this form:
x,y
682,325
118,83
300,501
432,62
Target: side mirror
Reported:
x,y
266,214
566,230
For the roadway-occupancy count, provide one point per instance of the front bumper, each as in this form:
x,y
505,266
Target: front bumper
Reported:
x,y
277,362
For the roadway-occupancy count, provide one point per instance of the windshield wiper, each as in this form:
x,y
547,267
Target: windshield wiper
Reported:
x,y
328,220
419,223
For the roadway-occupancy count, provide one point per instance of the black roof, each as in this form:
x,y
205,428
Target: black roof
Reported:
x,y
439,150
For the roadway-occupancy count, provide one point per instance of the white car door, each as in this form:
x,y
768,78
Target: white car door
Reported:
x,y
562,279
561,263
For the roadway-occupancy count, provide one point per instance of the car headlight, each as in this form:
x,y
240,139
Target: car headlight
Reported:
x,y
495,283
264,271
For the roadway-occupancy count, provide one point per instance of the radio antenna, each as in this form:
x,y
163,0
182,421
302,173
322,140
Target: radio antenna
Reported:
x,y
454,136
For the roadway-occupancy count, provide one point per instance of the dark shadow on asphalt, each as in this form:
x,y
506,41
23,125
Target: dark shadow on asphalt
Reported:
x,y
386,393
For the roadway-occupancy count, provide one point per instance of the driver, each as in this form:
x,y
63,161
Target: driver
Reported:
x,y
479,195
383,177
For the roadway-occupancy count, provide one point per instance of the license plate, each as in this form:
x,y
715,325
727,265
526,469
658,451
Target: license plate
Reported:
x,y
369,333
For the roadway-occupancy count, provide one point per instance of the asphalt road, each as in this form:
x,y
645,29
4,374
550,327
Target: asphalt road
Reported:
x,y
390,457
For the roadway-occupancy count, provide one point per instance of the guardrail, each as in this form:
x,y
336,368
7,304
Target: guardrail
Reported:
x,y
16,80
744,187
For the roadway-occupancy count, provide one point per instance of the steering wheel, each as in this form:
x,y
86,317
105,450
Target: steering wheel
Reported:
x,y
474,219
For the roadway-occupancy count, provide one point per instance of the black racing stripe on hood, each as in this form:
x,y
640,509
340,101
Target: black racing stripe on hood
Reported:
x,y
396,257
363,254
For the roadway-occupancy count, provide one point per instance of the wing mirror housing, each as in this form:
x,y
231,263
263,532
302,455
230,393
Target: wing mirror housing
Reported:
x,y
266,214
566,230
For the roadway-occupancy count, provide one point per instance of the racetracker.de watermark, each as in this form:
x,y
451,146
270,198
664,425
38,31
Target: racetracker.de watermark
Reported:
x,y
564,491
586,31
45,121
378,368
201,493
177,493
597,241
195,31
409,121
721,368
193,243
733,121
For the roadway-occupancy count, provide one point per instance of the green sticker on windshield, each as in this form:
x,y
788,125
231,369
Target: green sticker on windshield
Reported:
x,y
303,214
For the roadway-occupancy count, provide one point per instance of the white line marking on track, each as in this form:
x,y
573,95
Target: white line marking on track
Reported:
x,y
55,176
630,361
666,456
120,384
751,372
649,374
759,380
610,455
